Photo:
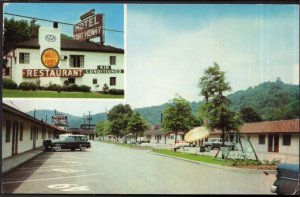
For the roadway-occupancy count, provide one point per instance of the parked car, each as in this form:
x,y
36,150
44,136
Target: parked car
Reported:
x,y
143,140
287,179
217,143
67,141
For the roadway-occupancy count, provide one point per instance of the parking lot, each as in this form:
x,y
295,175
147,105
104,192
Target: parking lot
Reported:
x,y
112,169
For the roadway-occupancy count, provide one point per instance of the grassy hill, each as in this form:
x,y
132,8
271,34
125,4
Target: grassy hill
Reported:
x,y
271,100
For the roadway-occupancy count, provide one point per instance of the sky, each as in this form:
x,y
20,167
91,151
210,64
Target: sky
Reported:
x,y
168,47
70,13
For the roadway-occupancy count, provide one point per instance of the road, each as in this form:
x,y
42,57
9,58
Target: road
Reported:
x,y
112,169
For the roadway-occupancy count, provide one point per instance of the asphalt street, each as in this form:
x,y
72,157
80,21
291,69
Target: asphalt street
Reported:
x,y
112,169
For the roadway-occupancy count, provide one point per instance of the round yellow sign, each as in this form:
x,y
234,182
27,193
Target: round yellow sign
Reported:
x,y
50,58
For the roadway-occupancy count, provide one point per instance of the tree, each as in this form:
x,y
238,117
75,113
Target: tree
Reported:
x,y
103,128
216,107
16,31
177,116
248,114
136,125
119,117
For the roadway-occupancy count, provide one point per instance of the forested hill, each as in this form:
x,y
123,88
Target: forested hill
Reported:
x,y
271,100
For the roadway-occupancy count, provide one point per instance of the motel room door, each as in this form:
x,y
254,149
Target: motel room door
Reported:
x,y
15,134
273,144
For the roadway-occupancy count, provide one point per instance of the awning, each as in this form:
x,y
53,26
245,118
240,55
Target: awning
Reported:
x,y
197,133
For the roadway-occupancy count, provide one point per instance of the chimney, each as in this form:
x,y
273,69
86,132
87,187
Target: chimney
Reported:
x,y
55,25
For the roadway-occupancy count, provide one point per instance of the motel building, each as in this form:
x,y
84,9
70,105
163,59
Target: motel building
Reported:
x,y
22,132
49,59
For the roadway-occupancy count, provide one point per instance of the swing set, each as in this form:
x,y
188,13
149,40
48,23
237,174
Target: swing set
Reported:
x,y
243,148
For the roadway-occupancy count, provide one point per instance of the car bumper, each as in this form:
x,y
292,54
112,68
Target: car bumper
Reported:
x,y
273,189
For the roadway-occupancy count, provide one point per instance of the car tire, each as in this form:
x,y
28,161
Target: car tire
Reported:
x,y
72,149
57,148
82,147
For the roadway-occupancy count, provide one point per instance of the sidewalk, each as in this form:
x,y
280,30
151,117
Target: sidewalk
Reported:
x,y
16,160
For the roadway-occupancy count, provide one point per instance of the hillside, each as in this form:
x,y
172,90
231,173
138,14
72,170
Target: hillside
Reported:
x,y
271,100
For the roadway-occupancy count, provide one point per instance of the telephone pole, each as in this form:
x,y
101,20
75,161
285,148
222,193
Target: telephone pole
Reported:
x,y
89,119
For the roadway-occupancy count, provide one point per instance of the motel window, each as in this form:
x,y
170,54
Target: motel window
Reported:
x,y
24,58
112,81
71,80
76,61
49,134
95,81
21,132
112,60
261,139
286,140
8,131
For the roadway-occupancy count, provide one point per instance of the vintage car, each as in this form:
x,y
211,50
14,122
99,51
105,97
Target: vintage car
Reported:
x,y
287,179
217,143
67,141
143,140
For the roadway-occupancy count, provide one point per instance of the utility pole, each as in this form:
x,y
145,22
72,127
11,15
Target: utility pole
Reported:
x,y
83,120
34,113
89,119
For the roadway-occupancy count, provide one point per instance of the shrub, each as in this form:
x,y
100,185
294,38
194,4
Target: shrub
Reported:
x,y
105,88
275,162
53,87
66,82
27,86
9,84
116,91
84,88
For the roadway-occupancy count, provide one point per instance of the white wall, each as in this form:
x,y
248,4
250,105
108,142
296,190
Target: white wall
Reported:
x,y
26,144
91,61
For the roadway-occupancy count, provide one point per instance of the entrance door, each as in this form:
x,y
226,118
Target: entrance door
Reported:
x,y
34,135
273,144
15,134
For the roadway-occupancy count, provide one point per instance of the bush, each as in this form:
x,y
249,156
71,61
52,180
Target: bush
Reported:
x,y
27,86
116,91
53,87
85,88
9,84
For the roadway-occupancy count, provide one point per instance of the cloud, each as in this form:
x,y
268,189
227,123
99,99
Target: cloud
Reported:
x,y
164,60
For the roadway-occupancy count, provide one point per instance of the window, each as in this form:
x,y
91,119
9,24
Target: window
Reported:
x,y
94,81
49,134
112,60
21,132
112,81
71,80
286,140
8,129
261,139
24,58
76,61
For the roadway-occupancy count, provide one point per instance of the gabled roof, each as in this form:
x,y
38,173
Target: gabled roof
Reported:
x,y
73,45
10,109
279,126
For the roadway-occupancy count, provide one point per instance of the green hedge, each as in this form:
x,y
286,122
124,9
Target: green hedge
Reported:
x,y
9,84
28,86
116,91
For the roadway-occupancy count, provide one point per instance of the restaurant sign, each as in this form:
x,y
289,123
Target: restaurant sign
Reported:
x,y
35,73
88,28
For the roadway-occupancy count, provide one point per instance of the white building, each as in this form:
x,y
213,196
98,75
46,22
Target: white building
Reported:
x,y
49,59
21,132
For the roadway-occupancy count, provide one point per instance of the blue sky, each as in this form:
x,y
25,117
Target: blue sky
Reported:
x,y
168,47
70,13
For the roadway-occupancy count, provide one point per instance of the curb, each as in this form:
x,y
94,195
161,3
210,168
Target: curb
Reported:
x,y
20,163
242,170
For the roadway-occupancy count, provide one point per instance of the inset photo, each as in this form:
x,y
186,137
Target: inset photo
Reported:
x,y
63,50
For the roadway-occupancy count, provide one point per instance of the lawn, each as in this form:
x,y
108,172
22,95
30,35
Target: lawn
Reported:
x,y
194,157
54,94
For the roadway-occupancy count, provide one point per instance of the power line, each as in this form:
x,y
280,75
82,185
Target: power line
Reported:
x,y
46,20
